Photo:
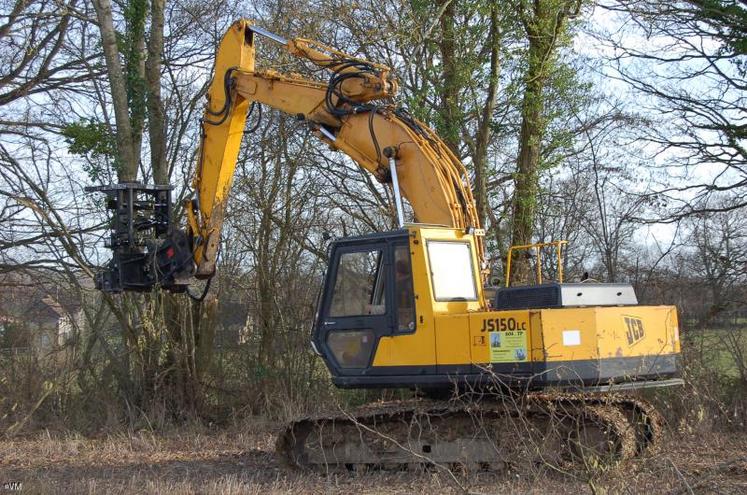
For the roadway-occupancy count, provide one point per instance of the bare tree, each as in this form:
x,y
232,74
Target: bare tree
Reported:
x,y
689,74
33,39
720,241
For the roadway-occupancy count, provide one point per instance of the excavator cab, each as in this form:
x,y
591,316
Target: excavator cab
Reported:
x,y
394,308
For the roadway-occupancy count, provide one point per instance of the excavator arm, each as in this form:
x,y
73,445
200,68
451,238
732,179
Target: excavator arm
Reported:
x,y
352,112
348,113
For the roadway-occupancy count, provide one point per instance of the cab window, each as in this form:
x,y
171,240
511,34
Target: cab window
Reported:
x,y
359,285
404,296
452,274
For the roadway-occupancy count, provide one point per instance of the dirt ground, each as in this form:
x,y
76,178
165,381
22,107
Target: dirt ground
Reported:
x,y
242,461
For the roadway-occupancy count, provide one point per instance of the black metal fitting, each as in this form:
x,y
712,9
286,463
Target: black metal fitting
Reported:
x,y
147,250
391,152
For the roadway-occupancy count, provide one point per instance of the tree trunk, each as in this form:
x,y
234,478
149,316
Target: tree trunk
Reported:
x,y
482,139
449,124
526,181
127,160
156,114
544,22
169,339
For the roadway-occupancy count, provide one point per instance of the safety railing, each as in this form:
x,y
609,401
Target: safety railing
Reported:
x,y
558,245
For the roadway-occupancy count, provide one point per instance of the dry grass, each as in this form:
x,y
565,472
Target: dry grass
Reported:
x,y
241,461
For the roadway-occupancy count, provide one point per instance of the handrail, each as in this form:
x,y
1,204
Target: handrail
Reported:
x,y
538,248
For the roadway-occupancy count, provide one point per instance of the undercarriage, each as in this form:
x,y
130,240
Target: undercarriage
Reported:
x,y
562,430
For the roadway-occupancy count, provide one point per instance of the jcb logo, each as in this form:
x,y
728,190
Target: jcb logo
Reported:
x,y
635,329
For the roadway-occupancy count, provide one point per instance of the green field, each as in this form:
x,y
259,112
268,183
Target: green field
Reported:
x,y
723,350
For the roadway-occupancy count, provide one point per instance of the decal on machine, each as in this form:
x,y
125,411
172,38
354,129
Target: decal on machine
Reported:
x,y
502,324
634,327
508,347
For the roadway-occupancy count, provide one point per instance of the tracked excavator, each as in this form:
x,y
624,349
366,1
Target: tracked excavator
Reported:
x,y
408,308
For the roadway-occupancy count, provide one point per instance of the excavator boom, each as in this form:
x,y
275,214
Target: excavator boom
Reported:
x,y
351,113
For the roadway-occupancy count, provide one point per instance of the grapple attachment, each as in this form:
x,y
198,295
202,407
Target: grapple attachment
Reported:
x,y
148,251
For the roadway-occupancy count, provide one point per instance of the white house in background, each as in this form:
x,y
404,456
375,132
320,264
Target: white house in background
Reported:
x,y
65,322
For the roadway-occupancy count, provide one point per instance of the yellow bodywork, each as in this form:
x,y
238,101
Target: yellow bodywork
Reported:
x,y
458,333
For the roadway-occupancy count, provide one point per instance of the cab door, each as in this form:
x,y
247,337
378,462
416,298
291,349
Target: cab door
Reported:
x,y
356,309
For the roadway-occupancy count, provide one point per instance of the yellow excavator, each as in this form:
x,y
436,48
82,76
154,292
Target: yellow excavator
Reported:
x,y
408,308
